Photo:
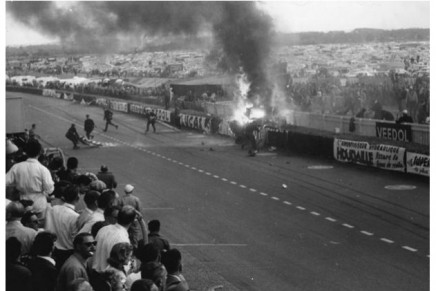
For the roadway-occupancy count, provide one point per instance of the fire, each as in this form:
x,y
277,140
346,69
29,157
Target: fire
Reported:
x,y
244,111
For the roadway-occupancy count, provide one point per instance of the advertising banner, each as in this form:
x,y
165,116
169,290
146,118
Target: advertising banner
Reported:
x,y
393,131
196,122
381,156
418,164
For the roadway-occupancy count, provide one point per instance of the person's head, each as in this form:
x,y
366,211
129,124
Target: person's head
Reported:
x,y
60,187
405,112
14,211
83,182
144,285
97,185
87,116
148,253
172,259
33,126
72,163
43,244
106,199
33,148
115,279
127,215
79,284
73,125
104,168
128,189
71,194
91,198
111,214
56,164
30,219
154,225
156,272
120,255
84,244
97,226
13,249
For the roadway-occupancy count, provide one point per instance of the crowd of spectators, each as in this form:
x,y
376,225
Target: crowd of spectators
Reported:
x,y
67,230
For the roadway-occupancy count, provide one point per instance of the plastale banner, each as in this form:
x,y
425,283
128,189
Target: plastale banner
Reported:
x,y
418,164
381,156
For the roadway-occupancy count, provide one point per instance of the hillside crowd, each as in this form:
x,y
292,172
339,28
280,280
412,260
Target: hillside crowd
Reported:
x,y
70,231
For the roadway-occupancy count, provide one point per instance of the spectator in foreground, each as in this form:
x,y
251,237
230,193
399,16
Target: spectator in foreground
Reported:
x,y
75,266
155,238
107,177
32,179
156,272
14,227
18,277
132,200
172,260
42,265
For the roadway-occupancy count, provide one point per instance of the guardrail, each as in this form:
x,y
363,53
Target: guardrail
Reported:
x,y
329,122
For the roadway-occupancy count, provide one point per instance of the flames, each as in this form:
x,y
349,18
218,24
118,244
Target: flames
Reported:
x,y
245,111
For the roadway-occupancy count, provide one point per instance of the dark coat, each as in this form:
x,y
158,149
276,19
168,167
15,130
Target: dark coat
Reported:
x,y
18,277
44,274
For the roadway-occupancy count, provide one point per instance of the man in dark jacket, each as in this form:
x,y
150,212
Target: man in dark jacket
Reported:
x,y
73,135
107,177
108,114
151,119
89,127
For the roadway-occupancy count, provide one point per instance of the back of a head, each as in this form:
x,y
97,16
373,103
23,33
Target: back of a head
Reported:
x,y
106,199
172,260
33,148
103,168
148,253
72,163
13,249
14,210
154,271
43,243
144,285
127,215
91,198
154,225
111,214
71,194
83,180
119,253
97,226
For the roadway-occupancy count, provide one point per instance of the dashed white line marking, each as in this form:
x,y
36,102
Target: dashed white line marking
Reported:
x,y
301,208
315,213
409,248
187,166
275,198
224,179
242,186
180,163
330,219
366,232
347,225
207,173
201,171
216,176
253,190
387,240
263,194
233,182
287,203
194,168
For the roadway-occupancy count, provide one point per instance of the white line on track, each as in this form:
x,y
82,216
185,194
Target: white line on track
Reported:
x,y
366,232
287,203
275,198
347,225
409,248
315,213
233,182
301,208
224,179
216,176
387,240
253,190
263,194
330,219
242,186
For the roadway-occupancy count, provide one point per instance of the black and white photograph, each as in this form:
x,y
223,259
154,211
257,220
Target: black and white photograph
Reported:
x,y
217,145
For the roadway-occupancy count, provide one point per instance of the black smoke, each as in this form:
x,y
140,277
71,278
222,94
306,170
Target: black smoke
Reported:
x,y
241,30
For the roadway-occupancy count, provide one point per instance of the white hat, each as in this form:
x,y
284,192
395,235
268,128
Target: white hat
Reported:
x,y
405,111
129,188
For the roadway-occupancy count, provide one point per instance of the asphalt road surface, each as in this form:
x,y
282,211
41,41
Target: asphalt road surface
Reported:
x,y
271,222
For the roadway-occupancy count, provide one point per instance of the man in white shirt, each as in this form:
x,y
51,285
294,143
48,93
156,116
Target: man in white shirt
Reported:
x,y
32,179
62,220
112,234
105,200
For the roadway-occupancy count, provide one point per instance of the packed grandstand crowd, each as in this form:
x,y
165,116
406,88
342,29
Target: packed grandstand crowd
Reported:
x,y
67,230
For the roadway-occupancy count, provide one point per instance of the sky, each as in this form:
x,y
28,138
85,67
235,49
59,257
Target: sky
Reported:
x,y
294,16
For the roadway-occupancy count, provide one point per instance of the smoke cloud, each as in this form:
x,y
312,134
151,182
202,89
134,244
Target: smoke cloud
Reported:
x,y
240,29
